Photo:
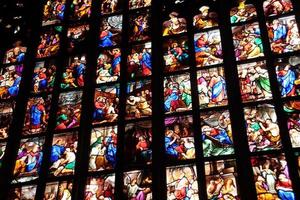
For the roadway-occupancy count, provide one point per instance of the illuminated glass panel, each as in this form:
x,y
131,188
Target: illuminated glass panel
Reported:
x,y
77,35
139,26
16,54
108,66
182,182
49,42
103,148
177,93
73,76
247,41
138,143
288,75
254,81
101,187
80,9
174,24
111,6
212,87
277,7
217,138
271,176
37,115
44,76
244,12
292,110
176,54
207,18
221,180
262,128
133,4
106,102
179,138
6,117
11,77
139,63
284,35
208,48
110,31
53,12
26,192
137,184
58,190
69,110
139,99
29,160
63,154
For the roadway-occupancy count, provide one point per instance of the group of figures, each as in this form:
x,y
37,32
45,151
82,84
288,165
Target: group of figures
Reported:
x,y
254,81
54,11
179,138
48,45
103,149
73,76
15,54
221,180
272,179
58,190
182,182
44,76
139,99
262,128
10,79
69,110
101,187
63,154
80,9
29,160
177,93
216,133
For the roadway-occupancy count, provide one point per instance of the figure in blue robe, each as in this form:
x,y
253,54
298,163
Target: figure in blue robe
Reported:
x,y
172,97
35,115
56,152
105,40
14,89
170,148
287,82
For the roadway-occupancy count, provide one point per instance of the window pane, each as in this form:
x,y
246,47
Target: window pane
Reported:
x,y
100,187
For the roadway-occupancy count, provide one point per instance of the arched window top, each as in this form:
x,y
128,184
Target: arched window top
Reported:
x,y
243,12
206,18
277,7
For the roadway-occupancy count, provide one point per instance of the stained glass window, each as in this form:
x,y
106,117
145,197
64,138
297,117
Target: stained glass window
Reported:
x,y
146,100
